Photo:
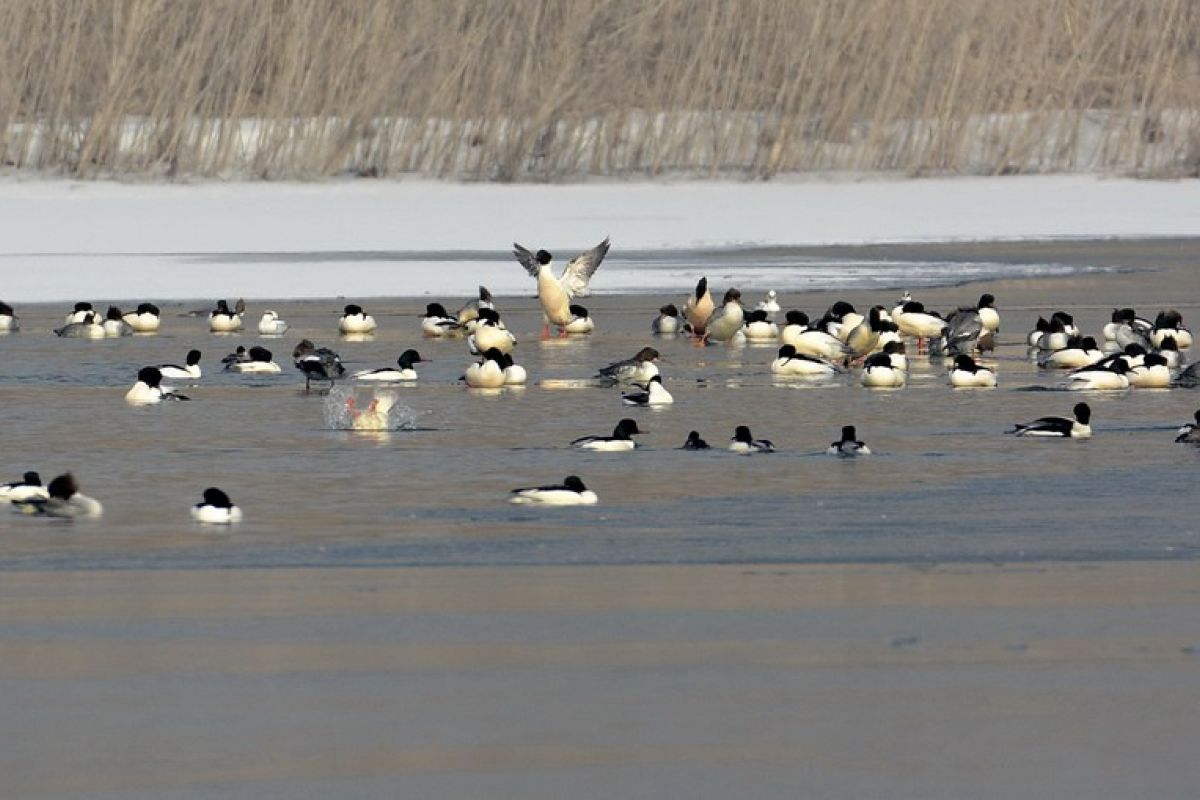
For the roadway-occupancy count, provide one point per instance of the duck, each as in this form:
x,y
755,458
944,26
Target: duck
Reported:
x,y
745,444
87,328
189,372
571,492
490,334
653,393
758,327
146,319
514,374
988,315
62,499
488,373
115,325
1134,355
694,442
1034,337
355,320
555,292
667,321
1152,373
28,488
580,321
619,441
770,304
863,338
1189,376
216,508
375,416
148,388
1113,377
848,446
1189,433
790,363
1077,428
726,320
320,363
897,355
237,356
270,324
913,320
8,319
222,320
699,307
639,369
436,322
964,334
82,312
257,361
1170,323
404,373
467,315
1168,348
840,319
1079,352
810,341
880,373
967,374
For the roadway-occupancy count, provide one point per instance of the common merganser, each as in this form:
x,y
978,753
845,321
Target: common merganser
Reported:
x,y
375,416
699,307
28,488
726,320
639,369
62,500
667,321
986,308
915,321
488,373
216,508
1077,428
222,320
1170,323
87,328
115,325
790,363
8,319
694,442
556,292
619,441
1168,348
745,444
653,394
178,373
810,341
146,319
355,320
236,357
1153,373
436,322
1112,377
257,361
758,328
966,374
865,335
1078,353
82,312
848,446
320,363
467,315
571,492
271,325
514,374
148,388
489,334
580,321
1189,433
405,372
880,373
897,354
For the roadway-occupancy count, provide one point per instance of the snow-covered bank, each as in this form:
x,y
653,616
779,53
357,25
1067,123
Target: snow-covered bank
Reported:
x,y
100,221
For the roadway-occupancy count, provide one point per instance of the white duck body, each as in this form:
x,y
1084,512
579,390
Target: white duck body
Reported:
x,y
1079,355
355,320
375,416
9,322
726,320
83,312
271,325
654,394
258,361
667,322
1113,378
791,364
89,328
488,336
403,371
222,320
115,326
488,373
437,323
699,307
848,446
620,440
883,376
1153,373
571,492
62,499
28,488
966,374
1061,427
146,319
1182,337
216,509
914,321
743,443
580,321
758,328
812,342
189,372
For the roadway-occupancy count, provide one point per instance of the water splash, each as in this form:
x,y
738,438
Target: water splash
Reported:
x,y
379,410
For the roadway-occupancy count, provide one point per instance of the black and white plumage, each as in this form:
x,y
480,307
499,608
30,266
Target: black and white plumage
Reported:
x,y
62,500
576,275
470,310
789,363
639,369
743,442
149,389
1189,433
255,361
620,439
571,492
28,488
8,319
580,320
216,508
652,393
694,442
191,370
848,446
235,357
317,363
966,374
1077,428
114,323
438,322
404,372
667,322
223,320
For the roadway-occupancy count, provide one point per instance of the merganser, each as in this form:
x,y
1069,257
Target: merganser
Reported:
x,y
258,361
1168,348
571,492
216,508
745,444
146,319
1078,353
514,374
653,394
1112,377
1189,433
86,328
317,362
467,315
758,328
62,500
667,321
489,334
986,308
810,341
1170,323
28,488
639,369
556,292
222,320
863,338
1078,428
236,357
148,388
699,307
178,373
436,322
355,320
404,373
82,312
790,363
375,416
848,446
880,373
968,374
726,320
488,373
694,442
8,319
915,321
897,354
619,441
580,321
1153,373
271,325
115,325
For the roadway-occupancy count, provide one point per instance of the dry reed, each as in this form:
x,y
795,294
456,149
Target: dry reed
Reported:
x,y
561,89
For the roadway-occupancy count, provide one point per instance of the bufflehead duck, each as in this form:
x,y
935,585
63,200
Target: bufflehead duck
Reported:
x,y
1112,377
436,322
178,373
148,388
355,320
654,394
1078,428
489,334
789,363
880,373
745,444
1153,373
404,373
146,319
967,374
28,488
318,363
222,320
216,508
726,320
580,321
848,446
488,373
62,500
271,325
667,321
257,361
770,304
699,307
639,369
758,328
571,492
619,441
555,292
8,319
694,442
1189,433
115,325
87,328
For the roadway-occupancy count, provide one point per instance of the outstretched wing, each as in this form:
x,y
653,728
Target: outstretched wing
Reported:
x,y
575,277
528,260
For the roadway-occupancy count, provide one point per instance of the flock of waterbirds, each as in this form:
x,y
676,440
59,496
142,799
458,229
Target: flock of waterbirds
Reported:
x,y
1136,352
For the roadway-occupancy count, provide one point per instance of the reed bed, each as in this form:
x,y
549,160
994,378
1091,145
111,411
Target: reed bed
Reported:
x,y
547,90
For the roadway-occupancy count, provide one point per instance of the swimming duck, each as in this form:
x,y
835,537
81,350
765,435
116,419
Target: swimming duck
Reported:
x,y
404,373
148,388
62,500
880,373
580,321
968,374
28,488
1079,352
8,319
257,361
237,356
1034,338
758,328
1169,350
355,320
619,441
514,374
1077,428
82,312
1170,323
556,292
320,363
146,319
897,354
699,307
271,325
726,320
770,304
790,363
87,328
1112,377
216,508
639,369
1189,433
489,334
1153,373
810,341
178,373
653,394
694,442
115,325
436,322
848,446
571,492
488,373
745,444
667,321
222,320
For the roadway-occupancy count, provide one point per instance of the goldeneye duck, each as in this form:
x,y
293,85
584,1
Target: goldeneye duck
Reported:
x,y
1077,428
848,446
653,394
405,372
355,320
743,443
148,388
694,442
28,488
189,372
62,500
571,492
620,439
216,508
